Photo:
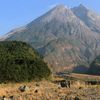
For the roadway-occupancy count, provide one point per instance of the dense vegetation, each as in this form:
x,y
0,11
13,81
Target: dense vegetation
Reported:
x,y
20,62
95,67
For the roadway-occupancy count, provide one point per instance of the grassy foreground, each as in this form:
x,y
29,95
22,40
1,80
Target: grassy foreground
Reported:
x,y
47,90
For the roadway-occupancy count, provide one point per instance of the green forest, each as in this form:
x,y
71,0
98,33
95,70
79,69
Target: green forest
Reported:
x,y
20,62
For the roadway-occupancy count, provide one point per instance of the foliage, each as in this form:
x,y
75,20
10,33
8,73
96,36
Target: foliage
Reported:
x,y
20,62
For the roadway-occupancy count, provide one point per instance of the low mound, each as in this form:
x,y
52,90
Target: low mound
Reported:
x,y
95,67
20,62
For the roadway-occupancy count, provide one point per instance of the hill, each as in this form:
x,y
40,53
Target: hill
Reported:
x,y
20,62
65,40
95,67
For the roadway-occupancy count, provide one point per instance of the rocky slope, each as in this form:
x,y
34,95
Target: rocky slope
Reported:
x,y
90,18
62,37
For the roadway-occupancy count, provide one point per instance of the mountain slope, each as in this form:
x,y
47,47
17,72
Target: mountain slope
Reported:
x,y
90,18
61,37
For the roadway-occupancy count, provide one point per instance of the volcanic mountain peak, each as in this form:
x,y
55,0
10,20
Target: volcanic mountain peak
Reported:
x,y
81,10
61,9
82,6
62,37
59,13
90,18
60,6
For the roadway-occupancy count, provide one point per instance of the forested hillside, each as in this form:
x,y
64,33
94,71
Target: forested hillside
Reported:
x,y
20,62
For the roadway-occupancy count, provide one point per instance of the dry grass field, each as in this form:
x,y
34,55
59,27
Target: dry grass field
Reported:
x,y
44,91
47,90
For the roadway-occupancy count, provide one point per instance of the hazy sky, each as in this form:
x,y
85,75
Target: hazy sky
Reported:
x,y
16,13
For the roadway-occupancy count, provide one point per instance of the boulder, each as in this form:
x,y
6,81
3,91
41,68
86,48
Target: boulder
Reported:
x,y
65,83
24,88
11,98
76,98
4,98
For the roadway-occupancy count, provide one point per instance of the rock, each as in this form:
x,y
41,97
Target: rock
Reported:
x,y
36,91
80,87
76,98
11,97
37,84
65,83
4,98
24,88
